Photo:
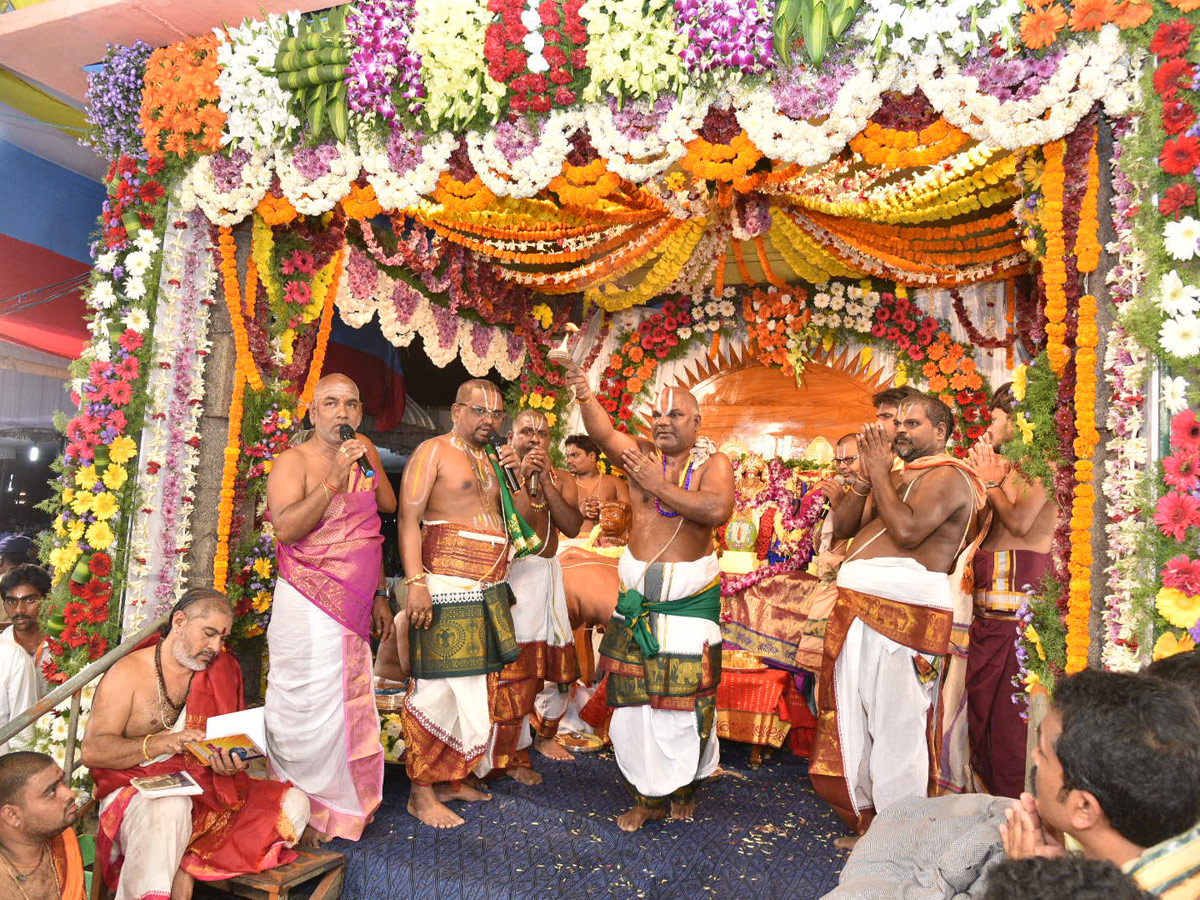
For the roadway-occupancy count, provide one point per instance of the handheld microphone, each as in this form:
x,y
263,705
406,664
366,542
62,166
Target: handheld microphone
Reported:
x,y
346,433
494,442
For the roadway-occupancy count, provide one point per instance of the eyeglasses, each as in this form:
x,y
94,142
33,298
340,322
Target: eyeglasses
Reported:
x,y
844,460
483,411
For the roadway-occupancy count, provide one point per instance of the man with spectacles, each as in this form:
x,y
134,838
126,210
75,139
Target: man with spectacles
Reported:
x,y
459,529
23,589
329,595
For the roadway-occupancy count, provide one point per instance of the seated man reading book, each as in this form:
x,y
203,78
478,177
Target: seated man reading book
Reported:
x,y
39,854
148,707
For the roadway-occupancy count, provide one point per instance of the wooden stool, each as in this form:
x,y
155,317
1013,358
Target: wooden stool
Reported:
x,y
276,884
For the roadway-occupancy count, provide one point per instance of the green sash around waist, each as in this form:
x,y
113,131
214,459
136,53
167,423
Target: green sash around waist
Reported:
x,y
635,609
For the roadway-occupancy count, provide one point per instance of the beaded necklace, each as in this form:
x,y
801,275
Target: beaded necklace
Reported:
x,y
685,482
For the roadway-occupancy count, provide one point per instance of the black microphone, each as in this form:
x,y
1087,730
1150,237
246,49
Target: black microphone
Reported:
x,y
346,433
494,442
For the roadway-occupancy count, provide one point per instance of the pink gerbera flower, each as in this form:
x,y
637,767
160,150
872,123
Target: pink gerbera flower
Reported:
x,y
297,292
1180,471
1176,513
1182,574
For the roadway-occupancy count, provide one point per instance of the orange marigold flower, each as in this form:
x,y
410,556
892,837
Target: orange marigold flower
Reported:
x,y
1040,27
1092,15
959,381
947,365
1185,5
935,352
636,354
1132,14
937,384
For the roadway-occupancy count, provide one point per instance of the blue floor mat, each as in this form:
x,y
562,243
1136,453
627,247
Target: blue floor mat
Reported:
x,y
757,834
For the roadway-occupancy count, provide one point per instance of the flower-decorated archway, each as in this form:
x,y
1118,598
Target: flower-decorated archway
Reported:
x,y
479,174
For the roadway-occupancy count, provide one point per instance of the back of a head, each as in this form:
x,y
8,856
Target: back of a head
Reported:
x,y
1130,741
895,396
1060,878
1182,669
16,769
1004,398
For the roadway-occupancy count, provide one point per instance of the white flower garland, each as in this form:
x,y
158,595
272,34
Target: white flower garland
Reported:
x,y
167,464
317,196
526,176
640,159
199,188
904,26
1088,72
633,48
802,142
257,109
398,191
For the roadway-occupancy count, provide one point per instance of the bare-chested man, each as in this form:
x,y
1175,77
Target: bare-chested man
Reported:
x,y
322,728
539,680
1013,558
593,486
458,532
148,707
39,852
662,650
889,635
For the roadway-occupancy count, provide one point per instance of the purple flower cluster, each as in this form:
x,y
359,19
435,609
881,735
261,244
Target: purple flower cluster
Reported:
x,y
313,162
382,64
637,119
114,102
515,140
1013,79
727,34
800,96
227,170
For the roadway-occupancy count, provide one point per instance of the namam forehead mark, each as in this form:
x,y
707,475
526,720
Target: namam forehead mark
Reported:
x,y
330,382
675,398
538,419
904,409
492,400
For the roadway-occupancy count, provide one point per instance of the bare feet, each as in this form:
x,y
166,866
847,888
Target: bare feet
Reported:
x,y
552,749
639,816
182,885
846,843
446,792
312,839
424,804
524,775
684,812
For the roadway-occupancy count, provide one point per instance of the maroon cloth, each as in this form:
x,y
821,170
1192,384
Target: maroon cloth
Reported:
x,y
235,822
1027,568
997,732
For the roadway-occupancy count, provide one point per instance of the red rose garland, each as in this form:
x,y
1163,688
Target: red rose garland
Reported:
x,y
565,37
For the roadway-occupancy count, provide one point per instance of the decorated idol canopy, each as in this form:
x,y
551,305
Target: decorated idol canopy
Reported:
x,y
785,205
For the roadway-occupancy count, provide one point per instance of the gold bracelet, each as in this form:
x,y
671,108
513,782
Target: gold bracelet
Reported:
x,y
537,506
415,579
145,754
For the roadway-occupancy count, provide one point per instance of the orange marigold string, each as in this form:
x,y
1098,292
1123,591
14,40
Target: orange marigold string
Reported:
x,y
1087,243
326,328
740,259
229,476
760,247
1054,266
1079,568
235,304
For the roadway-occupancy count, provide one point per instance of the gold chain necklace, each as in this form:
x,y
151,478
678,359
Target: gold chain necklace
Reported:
x,y
20,879
483,474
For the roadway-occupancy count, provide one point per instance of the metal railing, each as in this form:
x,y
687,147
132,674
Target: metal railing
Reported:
x,y
72,688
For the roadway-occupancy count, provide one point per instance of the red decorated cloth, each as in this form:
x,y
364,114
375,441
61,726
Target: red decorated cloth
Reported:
x,y
236,822
752,707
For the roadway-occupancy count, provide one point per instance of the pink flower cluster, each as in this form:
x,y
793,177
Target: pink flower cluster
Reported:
x,y
1179,509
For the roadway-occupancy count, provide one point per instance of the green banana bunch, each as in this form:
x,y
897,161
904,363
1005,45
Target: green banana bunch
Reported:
x,y
312,65
818,22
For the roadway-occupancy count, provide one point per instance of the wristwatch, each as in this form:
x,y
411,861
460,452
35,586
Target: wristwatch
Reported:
x,y
383,594
988,485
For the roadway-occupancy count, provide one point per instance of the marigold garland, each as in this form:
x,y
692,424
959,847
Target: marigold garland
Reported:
x,y
1054,266
229,473
318,359
234,303
898,149
276,210
361,203
1087,243
721,162
1079,587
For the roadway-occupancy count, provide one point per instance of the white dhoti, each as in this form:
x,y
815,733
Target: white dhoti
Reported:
x,y
661,751
322,726
884,689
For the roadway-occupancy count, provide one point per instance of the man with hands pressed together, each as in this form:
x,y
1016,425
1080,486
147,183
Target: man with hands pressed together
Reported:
x,y
889,635
662,651
148,707
322,727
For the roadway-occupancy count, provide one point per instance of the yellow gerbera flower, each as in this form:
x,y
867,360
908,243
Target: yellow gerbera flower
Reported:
x,y
551,418
1169,645
1027,428
1180,609
122,450
86,478
100,536
262,567
76,529
1020,381
68,495
105,506
262,602
115,477
82,504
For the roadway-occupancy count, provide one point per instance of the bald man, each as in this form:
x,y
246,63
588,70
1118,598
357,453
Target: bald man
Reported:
x,y
322,728
662,650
